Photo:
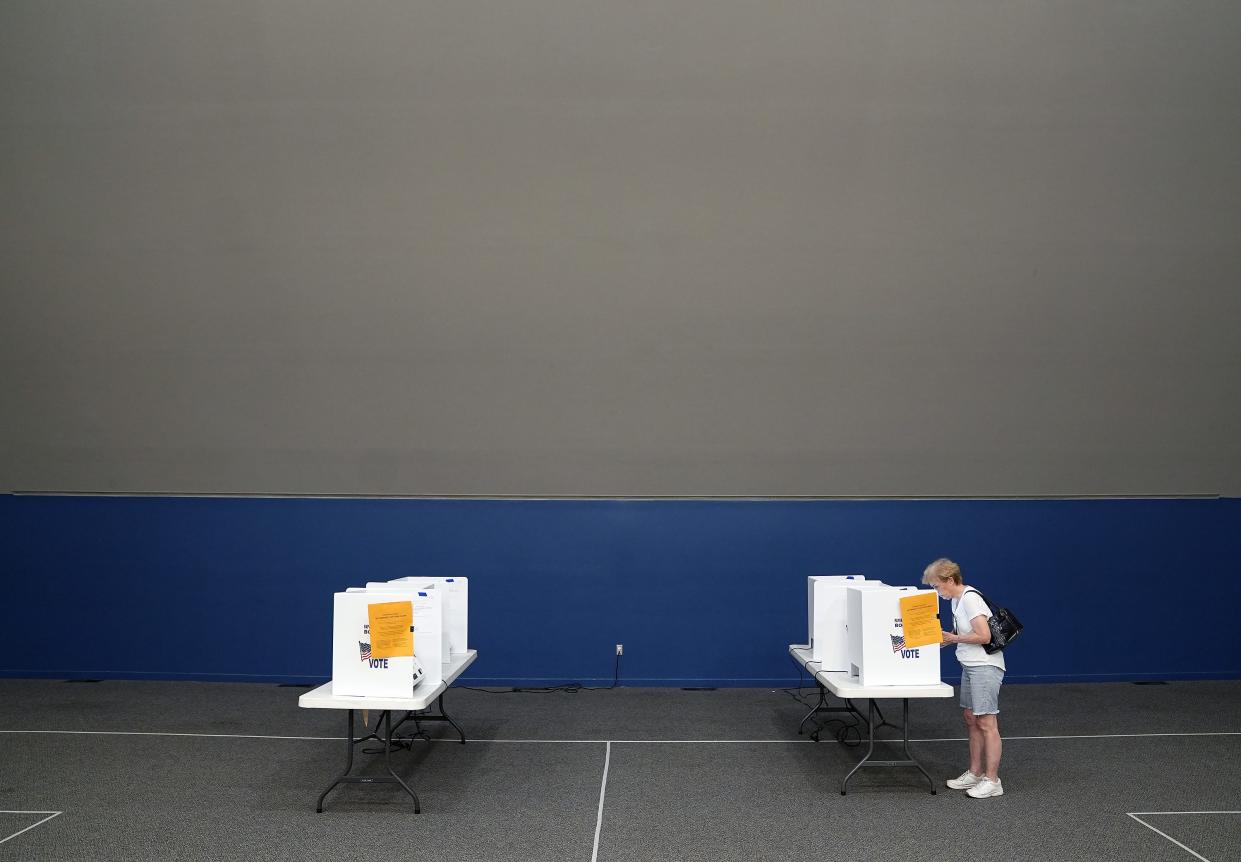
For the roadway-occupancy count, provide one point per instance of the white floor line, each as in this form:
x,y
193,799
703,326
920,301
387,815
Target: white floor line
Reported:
x,y
50,814
1169,837
625,741
1092,736
170,733
603,787
1131,813
337,738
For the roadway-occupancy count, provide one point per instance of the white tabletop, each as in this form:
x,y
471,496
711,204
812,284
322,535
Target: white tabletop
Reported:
x,y
322,697
801,653
842,685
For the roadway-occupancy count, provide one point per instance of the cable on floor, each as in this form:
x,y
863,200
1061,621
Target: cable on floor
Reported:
x,y
567,688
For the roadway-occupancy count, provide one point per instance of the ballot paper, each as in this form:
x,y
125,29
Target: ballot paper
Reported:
x,y
920,619
392,625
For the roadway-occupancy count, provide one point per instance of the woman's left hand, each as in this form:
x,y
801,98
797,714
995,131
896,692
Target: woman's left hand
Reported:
x,y
949,638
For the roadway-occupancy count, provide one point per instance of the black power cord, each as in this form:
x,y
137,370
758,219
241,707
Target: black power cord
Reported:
x,y
796,693
841,734
567,688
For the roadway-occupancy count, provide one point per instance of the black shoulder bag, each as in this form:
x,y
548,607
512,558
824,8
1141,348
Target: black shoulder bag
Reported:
x,y
1003,623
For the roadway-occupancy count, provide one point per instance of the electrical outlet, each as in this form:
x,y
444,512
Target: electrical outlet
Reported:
x,y
620,649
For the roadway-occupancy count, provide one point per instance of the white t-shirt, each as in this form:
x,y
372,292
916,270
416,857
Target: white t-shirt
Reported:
x,y
964,610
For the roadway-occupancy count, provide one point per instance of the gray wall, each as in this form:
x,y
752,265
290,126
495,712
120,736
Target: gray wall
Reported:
x,y
927,247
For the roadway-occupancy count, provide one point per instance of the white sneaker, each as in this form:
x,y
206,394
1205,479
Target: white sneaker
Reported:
x,y
986,788
964,781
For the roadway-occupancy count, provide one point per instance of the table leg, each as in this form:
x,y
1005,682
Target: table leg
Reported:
x,y
822,703
373,734
448,718
391,778
910,756
418,718
348,764
870,728
883,722
866,760
388,762
409,716
822,706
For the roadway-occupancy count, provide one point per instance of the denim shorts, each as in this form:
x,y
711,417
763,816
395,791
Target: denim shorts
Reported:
x,y
980,688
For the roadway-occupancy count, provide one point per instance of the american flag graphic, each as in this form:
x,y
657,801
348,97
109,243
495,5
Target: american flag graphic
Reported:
x,y
898,642
365,649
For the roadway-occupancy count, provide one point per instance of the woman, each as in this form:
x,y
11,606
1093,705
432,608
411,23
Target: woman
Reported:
x,y
981,676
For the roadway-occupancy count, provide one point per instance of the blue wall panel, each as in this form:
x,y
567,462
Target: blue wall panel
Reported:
x,y
700,592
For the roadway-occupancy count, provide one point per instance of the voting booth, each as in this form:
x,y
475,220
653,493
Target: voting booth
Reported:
x,y
871,640
396,647
814,612
829,645
357,669
456,598
878,653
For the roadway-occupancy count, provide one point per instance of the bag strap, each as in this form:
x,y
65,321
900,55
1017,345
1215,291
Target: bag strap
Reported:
x,y
970,590
986,600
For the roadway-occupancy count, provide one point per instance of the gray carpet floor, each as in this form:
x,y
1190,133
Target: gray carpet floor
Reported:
x,y
706,775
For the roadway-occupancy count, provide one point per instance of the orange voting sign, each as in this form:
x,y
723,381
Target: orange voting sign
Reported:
x,y
391,624
920,620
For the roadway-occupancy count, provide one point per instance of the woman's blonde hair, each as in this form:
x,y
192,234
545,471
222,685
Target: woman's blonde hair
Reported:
x,y
942,570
